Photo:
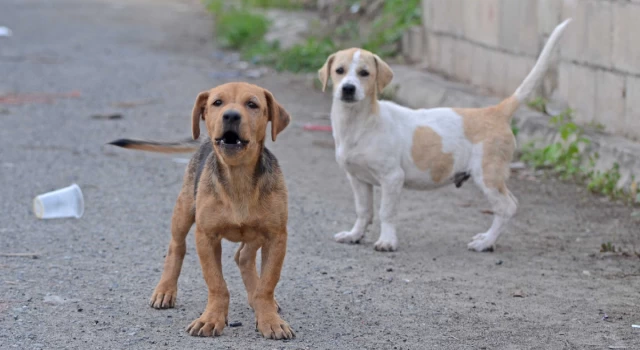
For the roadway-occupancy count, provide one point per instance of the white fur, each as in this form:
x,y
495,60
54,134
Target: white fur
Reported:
x,y
352,78
540,69
375,150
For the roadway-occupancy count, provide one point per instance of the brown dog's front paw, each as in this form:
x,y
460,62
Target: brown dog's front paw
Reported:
x,y
278,308
273,327
163,298
205,326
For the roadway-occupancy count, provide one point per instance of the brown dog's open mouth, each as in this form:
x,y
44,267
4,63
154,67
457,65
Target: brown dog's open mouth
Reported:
x,y
231,139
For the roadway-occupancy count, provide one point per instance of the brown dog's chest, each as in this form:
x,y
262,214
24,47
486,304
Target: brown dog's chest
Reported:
x,y
242,221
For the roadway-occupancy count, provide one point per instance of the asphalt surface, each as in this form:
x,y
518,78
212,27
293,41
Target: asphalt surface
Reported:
x,y
546,285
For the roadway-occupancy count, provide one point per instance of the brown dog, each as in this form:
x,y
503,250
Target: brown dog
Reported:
x,y
234,189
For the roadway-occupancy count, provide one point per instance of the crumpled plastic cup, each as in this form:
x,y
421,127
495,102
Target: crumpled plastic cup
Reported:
x,y
66,202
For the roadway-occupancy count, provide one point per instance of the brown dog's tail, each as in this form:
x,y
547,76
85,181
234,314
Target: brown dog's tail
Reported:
x,y
185,146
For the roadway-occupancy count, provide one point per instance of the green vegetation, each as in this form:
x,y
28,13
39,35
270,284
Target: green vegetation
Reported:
x,y
514,127
607,247
305,57
539,104
565,158
239,27
397,16
606,182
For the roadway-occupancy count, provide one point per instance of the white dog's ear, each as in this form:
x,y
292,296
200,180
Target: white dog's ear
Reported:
x,y
325,72
384,73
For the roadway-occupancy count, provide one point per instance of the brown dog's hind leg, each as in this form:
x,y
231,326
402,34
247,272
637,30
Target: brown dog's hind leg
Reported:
x,y
246,260
214,318
268,322
164,296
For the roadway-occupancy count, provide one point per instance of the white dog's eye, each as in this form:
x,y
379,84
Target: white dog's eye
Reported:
x,y
363,73
252,105
340,70
217,103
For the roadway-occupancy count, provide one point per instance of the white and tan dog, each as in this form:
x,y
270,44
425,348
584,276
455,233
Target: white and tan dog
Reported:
x,y
384,144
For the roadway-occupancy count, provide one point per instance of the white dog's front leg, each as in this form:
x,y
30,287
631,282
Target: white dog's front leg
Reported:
x,y
363,193
391,188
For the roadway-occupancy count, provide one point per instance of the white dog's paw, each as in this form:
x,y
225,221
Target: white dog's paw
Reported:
x,y
482,242
348,237
386,245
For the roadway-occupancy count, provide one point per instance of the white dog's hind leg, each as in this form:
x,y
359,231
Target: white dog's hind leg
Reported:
x,y
363,193
391,189
504,206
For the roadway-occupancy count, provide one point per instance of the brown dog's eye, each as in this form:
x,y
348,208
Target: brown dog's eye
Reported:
x,y
252,105
364,73
340,70
217,103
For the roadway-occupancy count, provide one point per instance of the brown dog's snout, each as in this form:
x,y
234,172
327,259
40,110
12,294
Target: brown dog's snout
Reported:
x,y
231,117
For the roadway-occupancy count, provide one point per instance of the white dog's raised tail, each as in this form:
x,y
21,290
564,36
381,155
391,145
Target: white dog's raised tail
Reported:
x,y
537,73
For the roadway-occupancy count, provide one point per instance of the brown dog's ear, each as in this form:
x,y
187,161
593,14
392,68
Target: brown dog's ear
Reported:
x,y
384,73
197,113
325,72
278,116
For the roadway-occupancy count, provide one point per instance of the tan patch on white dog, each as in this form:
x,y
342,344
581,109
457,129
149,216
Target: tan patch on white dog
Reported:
x,y
484,123
427,154
490,125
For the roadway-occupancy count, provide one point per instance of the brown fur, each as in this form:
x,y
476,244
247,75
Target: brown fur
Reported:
x,y
426,151
491,125
240,196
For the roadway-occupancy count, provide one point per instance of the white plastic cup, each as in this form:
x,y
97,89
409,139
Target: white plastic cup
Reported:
x,y
66,202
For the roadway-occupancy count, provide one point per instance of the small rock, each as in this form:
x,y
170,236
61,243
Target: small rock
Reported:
x,y
518,294
499,262
586,273
390,269
235,324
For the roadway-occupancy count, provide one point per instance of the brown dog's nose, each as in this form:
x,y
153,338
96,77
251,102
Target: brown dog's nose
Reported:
x,y
231,116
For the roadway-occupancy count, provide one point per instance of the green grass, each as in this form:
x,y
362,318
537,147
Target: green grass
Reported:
x,y
397,16
563,157
539,104
566,159
240,28
308,56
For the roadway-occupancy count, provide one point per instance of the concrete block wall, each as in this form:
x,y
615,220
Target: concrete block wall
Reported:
x,y
494,43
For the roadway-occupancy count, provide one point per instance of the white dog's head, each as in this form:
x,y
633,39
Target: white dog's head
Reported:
x,y
356,74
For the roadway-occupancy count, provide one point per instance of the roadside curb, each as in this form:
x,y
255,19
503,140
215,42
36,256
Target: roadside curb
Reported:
x,y
419,89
